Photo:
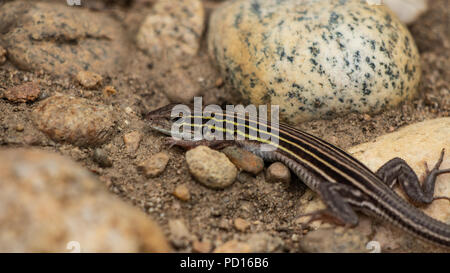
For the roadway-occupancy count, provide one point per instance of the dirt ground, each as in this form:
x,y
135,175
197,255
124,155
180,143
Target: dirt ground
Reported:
x,y
208,215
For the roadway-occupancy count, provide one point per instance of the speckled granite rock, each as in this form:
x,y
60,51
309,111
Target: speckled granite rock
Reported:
x,y
74,120
173,28
314,58
416,144
60,39
48,201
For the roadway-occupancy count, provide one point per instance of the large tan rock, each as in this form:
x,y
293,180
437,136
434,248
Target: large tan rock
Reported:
x,y
416,144
50,204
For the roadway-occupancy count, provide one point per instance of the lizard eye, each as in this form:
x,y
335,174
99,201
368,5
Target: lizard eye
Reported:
x,y
178,117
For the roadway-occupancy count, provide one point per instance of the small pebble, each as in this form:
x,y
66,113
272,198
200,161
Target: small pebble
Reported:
x,y
132,141
25,92
233,246
128,110
182,192
244,159
2,55
101,158
219,82
201,246
109,91
155,165
241,224
178,229
89,79
179,233
211,168
224,224
278,172
367,117
20,127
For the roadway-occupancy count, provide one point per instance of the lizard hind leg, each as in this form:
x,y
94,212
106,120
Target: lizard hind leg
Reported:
x,y
397,170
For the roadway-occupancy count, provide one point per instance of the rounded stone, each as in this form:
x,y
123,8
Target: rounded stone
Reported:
x,y
241,224
101,158
182,192
174,27
60,39
278,172
244,159
89,79
74,120
155,165
211,168
49,203
314,58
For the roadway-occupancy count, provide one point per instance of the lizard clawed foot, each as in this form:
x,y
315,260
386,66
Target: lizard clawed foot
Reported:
x,y
435,172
